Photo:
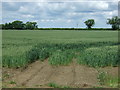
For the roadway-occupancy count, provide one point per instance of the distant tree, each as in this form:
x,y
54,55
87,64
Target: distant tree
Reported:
x,y
115,22
6,26
89,23
35,25
1,25
31,25
17,25
10,26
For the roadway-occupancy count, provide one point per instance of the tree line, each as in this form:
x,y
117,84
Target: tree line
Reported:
x,y
19,25
114,22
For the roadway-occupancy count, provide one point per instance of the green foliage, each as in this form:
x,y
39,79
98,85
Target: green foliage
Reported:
x,y
115,22
97,87
113,81
31,25
59,54
90,23
14,57
19,50
12,82
33,55
19,25
106,79
54,85
61,57
43,54
14,61
102,77
100,56
81,29
37,52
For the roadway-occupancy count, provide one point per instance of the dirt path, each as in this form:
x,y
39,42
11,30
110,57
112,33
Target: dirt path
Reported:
x,y
39,74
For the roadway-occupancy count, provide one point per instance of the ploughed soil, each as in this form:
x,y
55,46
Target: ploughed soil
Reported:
x,y
39,74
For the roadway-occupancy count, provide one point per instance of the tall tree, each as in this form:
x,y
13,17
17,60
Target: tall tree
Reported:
x,y
6,26
1,26
31,25
10,25
90,23
115,22
18,25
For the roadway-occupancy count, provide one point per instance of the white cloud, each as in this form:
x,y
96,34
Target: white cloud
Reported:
x,y
110,13
59,12
47,20
99,5
55,0
27,16
42,20
23,9
68,21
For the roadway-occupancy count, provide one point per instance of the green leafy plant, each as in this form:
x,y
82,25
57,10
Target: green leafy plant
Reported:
x,y
100,56
19,50
12,82
54,85
61,58
102,78
107,80
33,55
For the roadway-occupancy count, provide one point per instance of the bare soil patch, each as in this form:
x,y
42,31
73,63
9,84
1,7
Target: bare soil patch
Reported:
x,y
39,74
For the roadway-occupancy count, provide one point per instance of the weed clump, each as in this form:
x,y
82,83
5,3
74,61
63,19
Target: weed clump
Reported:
x,y
108,80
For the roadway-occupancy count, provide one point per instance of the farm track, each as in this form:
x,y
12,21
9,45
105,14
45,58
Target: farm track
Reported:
x,y
39,74
26,75
74,73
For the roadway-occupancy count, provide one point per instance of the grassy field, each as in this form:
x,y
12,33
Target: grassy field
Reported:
x,y
70,50
23,47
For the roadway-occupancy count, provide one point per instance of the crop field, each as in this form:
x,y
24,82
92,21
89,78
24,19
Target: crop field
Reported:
x,y
94,49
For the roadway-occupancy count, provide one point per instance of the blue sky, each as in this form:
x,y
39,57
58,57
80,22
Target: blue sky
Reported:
x,y
60,13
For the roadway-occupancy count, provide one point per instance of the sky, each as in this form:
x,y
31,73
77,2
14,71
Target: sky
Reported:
x,y
60,14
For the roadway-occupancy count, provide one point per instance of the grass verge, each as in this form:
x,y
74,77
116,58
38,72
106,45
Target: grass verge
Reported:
x,y
54,85
107,80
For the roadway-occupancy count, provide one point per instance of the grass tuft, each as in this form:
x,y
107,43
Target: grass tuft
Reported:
x,y
107,80
54,85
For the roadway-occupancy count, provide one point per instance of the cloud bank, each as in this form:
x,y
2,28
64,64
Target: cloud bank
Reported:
x,y
60,13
